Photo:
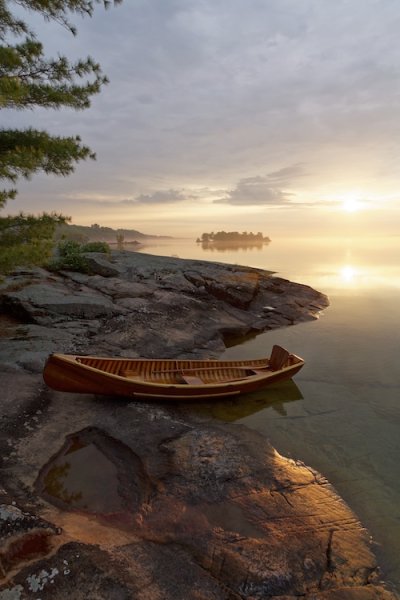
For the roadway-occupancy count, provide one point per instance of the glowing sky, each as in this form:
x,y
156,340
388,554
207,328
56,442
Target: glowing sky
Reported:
x,y
258,115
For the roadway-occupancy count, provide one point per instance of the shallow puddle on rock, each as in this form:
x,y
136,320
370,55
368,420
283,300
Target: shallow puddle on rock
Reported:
x,y
84,478
26,547
96,474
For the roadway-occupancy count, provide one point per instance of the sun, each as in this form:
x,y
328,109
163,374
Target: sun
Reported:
x,y
351,204
348,273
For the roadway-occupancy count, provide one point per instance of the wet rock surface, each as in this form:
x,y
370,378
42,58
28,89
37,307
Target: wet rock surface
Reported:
x,y
104,499
205,510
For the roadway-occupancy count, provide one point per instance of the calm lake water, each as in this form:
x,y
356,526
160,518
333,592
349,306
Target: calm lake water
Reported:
x,y
342,413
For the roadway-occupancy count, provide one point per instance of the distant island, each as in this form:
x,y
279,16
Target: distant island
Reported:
x,y
97,233
230,237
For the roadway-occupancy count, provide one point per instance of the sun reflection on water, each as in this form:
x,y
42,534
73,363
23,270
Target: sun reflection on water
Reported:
x,y
350,278
345,278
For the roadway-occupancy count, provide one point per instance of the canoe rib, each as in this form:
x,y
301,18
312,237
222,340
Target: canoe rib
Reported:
x,y
159,378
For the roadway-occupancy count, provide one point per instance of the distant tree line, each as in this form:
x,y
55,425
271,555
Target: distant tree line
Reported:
x,y
95,232
232,236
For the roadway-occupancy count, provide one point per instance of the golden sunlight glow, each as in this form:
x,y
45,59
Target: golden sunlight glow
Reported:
x,y
348,273
351,204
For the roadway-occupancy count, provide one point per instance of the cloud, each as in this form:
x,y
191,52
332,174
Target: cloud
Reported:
x,y
162,197
264,190
170,196
253,191
287,175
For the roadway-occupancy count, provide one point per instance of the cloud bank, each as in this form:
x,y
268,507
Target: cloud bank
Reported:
x,y
236,95
264,190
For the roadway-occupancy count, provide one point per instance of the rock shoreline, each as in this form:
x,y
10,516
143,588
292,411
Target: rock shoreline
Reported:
x,y
146,305
192,508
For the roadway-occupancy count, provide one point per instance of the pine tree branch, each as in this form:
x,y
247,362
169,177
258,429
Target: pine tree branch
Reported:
x,y
25,152
28,79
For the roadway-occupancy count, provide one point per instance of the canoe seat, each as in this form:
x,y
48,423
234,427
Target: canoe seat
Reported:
x,y
278,359
191,379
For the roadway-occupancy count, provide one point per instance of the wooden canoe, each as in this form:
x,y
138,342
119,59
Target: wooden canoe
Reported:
x,y
167,379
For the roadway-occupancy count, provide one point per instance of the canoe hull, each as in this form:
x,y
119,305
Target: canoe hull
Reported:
x,y
65,373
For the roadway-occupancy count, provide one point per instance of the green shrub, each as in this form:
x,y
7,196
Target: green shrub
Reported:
x,y
71,255
96,247
72,262
69,248
30,254
27,240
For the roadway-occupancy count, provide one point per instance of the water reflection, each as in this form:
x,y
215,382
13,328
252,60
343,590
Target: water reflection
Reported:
x,y
96,474
347,423
79,477
319,262
274,397
233,246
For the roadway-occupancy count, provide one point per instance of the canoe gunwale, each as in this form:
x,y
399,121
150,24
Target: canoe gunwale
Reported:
x,y
73,360
69,373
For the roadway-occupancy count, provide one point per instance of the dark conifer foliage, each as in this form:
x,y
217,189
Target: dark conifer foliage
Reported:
x,y
29,79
